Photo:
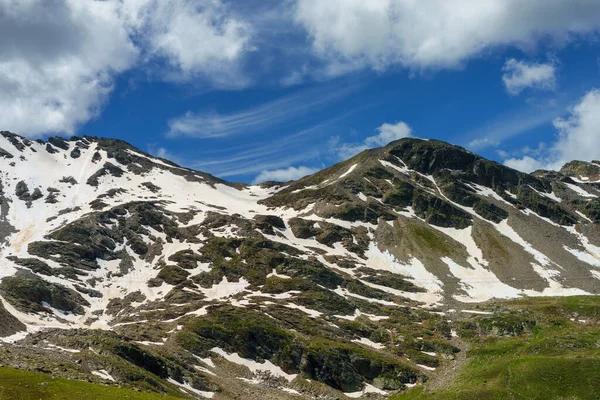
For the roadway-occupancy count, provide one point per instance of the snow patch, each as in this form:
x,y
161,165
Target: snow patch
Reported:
x,y
370,343
253,365
225,289
103,374
367,389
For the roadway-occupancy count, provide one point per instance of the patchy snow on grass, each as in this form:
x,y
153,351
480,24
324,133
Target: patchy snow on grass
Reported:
x,y
403,169
103,374
52,346
369,342
367,389
208,361
311,313
225,289
348,172
358,313
253,365
290,391
429,299
345,293
276,275
477,312
187,389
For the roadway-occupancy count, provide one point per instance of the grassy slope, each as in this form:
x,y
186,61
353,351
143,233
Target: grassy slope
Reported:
x,y
23,385
558,359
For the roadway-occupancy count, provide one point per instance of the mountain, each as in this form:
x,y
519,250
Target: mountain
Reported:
x,y
121,267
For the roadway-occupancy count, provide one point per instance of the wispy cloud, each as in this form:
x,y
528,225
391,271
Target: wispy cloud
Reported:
x,y
509,125
283,152
269,115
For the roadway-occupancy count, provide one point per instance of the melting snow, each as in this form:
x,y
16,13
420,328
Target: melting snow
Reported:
x,y
225,289
275,274
253,365
477,312
368,389
312,313
369,342
104,375
348,172
415,272
579,190
187,388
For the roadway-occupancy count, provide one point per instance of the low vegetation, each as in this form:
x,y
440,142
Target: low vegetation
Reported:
x,y
531,349
24,385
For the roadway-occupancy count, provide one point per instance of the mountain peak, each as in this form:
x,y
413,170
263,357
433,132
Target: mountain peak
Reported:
x,y
171,272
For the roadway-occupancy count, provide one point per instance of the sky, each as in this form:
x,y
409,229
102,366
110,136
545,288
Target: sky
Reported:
x,y
257,90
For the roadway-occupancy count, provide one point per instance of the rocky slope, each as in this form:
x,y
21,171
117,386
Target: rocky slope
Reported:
x,y
121,267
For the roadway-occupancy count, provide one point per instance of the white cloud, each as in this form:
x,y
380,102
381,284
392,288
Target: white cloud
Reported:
x,y
386,134
578,138
520,75
435,33
196,37
58,59
284,174
525,164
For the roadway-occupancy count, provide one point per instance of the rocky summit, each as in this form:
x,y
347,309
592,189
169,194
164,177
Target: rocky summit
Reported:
x,y
128,270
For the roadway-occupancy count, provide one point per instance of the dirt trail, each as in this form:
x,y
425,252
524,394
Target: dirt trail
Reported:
x,y
444,377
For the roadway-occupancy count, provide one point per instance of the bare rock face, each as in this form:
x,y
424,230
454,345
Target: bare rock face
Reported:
x,y
173,280
10,324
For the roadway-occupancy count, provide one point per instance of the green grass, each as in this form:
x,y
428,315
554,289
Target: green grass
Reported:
x,y
24,385
558,360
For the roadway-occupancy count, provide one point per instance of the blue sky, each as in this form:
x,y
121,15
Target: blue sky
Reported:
x,y
256,90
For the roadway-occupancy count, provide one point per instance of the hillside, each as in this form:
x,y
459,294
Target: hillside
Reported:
x,y
125,269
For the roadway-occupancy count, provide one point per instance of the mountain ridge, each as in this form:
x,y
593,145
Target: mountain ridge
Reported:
x,y
320,286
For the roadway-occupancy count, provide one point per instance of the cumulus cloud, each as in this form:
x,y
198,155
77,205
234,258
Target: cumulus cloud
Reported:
x,y
284,174
58,59
435,33
578,138
525,164
386,134
196,37
520,75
